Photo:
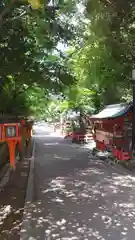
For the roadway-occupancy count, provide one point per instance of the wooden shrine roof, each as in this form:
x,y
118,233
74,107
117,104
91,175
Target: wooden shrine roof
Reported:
x,y
113,111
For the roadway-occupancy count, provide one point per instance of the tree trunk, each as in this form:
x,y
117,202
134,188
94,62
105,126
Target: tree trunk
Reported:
x,y
81,122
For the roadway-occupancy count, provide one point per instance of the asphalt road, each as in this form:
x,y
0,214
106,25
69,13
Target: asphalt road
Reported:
x,y
76,196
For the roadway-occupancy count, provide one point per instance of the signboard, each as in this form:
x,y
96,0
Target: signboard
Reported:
x,y
10,131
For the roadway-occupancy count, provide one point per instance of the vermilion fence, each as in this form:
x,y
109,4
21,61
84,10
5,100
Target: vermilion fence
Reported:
x,y
16,132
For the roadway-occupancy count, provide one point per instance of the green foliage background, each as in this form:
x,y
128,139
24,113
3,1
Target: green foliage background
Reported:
x,y
37,78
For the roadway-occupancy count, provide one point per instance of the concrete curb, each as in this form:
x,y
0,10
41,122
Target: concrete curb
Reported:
x,y
29,198
30,187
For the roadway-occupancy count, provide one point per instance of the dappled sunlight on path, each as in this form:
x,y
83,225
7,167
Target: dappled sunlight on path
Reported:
x,y
78,197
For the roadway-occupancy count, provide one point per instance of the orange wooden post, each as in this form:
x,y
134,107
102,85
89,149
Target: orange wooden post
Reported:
x,y
29,130
12,147
22,121
20,145
24,130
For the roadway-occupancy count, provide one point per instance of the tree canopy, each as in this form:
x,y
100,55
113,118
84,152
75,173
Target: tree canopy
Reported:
x,y
95,69
28,46
104,62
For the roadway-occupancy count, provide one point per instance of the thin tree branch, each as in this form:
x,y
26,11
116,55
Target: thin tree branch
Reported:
x,y
17,17
108,1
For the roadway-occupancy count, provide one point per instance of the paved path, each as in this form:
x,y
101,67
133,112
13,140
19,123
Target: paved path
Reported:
x,y
77,197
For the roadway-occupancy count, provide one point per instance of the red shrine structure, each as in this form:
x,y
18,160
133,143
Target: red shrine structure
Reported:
x,y
113,130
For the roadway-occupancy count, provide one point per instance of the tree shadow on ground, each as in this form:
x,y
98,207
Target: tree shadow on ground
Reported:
x,y
79,197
